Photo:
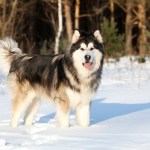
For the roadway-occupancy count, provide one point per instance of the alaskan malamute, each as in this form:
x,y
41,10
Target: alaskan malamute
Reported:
x,y
69,79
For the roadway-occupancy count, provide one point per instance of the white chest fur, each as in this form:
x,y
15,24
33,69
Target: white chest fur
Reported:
x,y
76,98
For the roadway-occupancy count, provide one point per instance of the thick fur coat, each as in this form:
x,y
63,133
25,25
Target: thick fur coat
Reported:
x,y
70,79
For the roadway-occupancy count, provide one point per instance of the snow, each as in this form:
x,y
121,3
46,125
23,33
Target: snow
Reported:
x,y
120,116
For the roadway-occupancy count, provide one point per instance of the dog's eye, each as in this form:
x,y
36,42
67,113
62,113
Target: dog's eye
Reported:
x,y
82,49
91,48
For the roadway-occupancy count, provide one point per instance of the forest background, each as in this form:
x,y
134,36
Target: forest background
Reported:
x,y
46,26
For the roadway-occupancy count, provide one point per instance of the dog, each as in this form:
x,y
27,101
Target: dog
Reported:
x,y
70,80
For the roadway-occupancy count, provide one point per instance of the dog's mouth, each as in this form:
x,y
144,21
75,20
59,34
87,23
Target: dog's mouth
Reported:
x,y
87,65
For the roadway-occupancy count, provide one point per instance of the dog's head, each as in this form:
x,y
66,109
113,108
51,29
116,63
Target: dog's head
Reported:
x,y
87,51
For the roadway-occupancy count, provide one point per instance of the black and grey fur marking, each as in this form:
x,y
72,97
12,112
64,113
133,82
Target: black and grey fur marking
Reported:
x,y
46,71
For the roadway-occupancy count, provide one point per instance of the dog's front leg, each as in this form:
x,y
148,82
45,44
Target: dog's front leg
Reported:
x,y
62,113
83,114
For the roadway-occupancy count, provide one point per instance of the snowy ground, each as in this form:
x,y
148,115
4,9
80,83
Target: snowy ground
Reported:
x,y
120,116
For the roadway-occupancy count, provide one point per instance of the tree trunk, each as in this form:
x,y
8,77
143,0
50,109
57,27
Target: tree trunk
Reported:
x,y
59,27
77,12
128,28
3,20
112,11
68,19
8,24
142,27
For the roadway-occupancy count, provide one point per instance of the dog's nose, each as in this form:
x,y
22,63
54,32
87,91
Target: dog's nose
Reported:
x,y
87,57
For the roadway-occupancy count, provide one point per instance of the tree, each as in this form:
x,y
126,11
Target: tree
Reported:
x,y
142,40
9,23
77,12
113,42
128,27
112,11
68,18
59,27
38,24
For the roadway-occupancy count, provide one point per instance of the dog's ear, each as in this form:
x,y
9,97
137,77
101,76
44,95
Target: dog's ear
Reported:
x,y
98,36
75,37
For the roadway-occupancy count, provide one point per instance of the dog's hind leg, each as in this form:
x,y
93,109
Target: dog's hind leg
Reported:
x,y
31,111
19,104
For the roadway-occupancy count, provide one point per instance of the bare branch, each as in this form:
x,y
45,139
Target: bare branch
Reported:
x,y
121,6
97,11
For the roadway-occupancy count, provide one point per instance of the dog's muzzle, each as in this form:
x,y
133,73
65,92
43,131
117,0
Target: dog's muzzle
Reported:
x,y
87,60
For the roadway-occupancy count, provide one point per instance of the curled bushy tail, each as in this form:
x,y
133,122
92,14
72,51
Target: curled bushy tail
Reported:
x,y
8,51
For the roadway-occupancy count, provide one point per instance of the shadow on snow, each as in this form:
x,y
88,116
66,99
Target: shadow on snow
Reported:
x,y
101,111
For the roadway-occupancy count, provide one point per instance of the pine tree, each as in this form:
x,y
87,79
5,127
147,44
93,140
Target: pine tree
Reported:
x,y
113,42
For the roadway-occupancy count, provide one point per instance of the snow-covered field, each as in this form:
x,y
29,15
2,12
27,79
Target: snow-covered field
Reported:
x,y
120,116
